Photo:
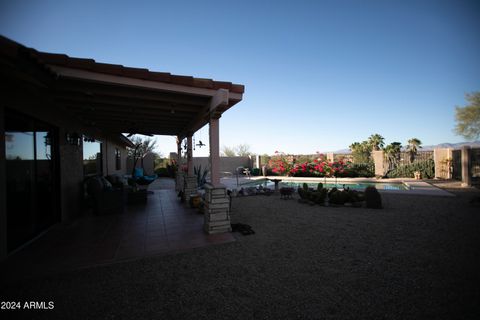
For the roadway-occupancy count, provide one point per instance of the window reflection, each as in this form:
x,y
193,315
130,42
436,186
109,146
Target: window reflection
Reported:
x,y
43,144
19,145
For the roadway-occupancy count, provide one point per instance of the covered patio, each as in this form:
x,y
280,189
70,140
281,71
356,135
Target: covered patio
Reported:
x,y
84,97
163,225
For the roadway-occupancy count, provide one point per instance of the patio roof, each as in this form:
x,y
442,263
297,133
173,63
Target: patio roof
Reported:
x,y
119,99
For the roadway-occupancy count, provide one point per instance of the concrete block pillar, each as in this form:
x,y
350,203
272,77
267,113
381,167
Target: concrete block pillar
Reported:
x,y
257,161
189,186
378,157
217,212
330,157
466,165
443,158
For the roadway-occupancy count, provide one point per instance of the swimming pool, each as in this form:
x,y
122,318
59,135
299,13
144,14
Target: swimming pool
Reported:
x,y
360,186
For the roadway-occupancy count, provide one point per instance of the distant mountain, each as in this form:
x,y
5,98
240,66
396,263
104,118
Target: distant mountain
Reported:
x,y
473,144
343,151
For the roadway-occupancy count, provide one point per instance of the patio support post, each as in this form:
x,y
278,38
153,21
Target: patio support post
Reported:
x,y
214,151
466,177
179,173
217,201
190,180
3,191
189,156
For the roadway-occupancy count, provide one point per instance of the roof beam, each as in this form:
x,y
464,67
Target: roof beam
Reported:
x,y
219,100
133,82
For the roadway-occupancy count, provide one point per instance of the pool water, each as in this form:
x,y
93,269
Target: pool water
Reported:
x,y
340,185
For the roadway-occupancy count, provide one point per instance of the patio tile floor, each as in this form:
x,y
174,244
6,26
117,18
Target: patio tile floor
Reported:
x,y
162,225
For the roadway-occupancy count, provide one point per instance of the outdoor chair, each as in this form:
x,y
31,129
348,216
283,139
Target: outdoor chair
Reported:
x,y
141,179
105,199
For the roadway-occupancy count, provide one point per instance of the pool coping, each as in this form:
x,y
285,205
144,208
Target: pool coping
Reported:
x,y
416,187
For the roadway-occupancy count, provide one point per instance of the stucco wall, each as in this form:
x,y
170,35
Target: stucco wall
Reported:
x,y
148,163
227,164
109,160
380,165
440,156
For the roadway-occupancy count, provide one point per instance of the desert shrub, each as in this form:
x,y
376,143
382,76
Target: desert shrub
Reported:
x,y
302,193
362,170
353,196
162,172
338,197
373,198
320,186
320,196
255,172
172,170
426,168
334,189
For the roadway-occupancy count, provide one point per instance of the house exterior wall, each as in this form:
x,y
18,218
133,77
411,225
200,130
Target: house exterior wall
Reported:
x,y
148,164
109,159
70,164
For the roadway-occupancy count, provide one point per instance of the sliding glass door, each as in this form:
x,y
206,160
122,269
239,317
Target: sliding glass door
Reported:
x,y
31,172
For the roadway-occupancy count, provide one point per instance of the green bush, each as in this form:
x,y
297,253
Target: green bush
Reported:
x,y
162,172
426,168
256,172
338,197
366,170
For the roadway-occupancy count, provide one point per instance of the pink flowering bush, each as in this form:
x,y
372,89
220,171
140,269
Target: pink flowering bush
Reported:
x,y
282,164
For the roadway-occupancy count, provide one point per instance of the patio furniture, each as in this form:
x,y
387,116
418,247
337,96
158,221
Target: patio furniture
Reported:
x,y
141,179
105,198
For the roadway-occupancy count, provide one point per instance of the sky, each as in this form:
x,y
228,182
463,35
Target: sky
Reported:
x,y
318,75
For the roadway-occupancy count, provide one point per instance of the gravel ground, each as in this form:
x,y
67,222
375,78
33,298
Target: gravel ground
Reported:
x,y
418,258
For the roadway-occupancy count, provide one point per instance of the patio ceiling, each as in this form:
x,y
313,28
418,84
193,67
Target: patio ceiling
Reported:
x,y
118,99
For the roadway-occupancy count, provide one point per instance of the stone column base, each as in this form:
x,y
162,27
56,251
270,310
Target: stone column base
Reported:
x,y
179,181
189,187
217,212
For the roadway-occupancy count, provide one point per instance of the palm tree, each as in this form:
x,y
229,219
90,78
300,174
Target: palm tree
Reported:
x,y
376,141
360,152
392,154
412,148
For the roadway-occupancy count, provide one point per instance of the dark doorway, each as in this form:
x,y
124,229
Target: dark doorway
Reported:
x,y
31,172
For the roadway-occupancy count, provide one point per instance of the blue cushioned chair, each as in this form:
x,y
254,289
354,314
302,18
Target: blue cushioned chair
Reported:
x,y
141,179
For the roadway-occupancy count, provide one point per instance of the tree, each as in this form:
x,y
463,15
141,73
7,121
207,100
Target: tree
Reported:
x,y
243,150
228,152
361,152
392,154
376,141
140,149
468,117
412,148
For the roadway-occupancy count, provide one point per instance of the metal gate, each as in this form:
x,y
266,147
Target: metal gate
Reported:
x,y
457,164
475,165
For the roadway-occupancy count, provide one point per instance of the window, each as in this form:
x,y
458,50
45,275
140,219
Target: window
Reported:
x,y
118,159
